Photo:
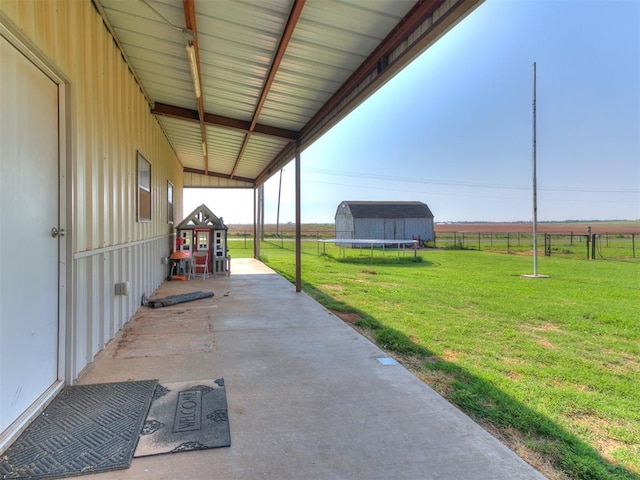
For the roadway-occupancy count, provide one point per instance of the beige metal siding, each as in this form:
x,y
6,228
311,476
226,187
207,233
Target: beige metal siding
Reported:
x,y
110,122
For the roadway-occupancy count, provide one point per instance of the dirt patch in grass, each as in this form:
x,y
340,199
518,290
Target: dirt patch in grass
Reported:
x,y
369,272
546,327
332,288
545,342
347,317
450,355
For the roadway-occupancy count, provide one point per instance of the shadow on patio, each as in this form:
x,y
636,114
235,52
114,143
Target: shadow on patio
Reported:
x,y
307,396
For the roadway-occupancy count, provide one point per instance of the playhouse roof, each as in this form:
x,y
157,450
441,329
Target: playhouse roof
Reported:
x,y
201,217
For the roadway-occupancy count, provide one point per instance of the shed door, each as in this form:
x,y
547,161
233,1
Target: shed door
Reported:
x,y
29,254
394,229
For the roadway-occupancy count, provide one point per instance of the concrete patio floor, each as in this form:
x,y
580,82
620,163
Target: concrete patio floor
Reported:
x,y
307,396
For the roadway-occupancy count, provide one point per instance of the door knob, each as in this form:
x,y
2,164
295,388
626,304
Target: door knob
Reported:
x,y
55,232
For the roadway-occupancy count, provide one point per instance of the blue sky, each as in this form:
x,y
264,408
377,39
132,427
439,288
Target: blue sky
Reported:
x,y
454,128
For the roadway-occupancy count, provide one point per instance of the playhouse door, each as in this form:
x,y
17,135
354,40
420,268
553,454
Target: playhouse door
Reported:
x,y
29,199
203,243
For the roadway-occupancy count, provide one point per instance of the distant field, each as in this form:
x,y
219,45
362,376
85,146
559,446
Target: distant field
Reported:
x,y
325,230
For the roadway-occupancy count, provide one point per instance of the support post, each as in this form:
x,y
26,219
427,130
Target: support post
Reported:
x,y
256,242
261,211
298,222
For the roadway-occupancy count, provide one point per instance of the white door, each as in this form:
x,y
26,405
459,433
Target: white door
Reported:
x,y
29,196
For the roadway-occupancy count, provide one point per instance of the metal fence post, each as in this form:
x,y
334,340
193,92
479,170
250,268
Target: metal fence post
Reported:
x,y
547,245
588,240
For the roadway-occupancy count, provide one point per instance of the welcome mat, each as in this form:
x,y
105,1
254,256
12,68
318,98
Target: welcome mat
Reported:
x,y
186,416
85,429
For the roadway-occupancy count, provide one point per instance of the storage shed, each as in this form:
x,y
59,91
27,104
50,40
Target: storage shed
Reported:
x,y
202,231
384,221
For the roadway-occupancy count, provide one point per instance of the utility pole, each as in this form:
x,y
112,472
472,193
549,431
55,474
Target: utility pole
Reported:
x,y
535,182
535,187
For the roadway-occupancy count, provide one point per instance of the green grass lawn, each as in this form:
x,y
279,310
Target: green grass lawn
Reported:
x,y
551,366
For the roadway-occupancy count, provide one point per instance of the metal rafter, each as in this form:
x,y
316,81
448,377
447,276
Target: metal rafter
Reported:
x,y
190,20
294,16
211,119
218,175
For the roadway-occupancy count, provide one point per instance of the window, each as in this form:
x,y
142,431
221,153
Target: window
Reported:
x,y
202,238
170,203
144,189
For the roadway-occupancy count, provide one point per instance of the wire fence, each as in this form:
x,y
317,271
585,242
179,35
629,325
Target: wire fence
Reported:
x,y
612,246
602,246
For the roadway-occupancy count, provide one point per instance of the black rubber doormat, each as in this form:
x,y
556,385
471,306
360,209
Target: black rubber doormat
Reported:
x,y
186,416
85,429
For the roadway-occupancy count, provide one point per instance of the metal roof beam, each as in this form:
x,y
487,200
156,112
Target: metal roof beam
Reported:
x,y
211,119
250,181
292,21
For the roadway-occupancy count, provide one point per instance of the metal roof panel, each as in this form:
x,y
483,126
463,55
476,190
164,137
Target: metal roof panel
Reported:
x,y
302,79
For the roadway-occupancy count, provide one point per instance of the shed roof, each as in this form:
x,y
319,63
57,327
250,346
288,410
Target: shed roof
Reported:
x,y
270,74
387,209
201,217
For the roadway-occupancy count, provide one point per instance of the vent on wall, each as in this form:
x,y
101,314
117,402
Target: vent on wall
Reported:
x,y
122,288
